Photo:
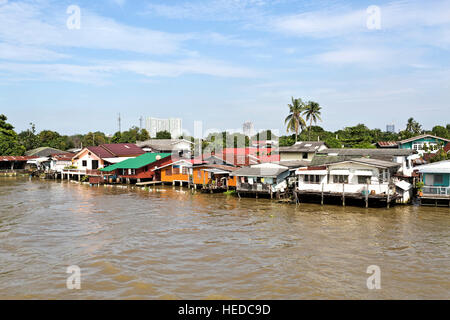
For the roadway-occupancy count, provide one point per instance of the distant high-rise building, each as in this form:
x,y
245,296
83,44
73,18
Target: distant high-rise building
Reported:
x,y
172,125
248,129
390,128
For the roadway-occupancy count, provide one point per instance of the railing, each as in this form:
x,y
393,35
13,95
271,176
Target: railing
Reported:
x,y
441,191
89,172
254,187
348,188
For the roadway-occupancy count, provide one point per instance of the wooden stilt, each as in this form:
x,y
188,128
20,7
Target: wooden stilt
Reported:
x,y
367,196
343,194
321,201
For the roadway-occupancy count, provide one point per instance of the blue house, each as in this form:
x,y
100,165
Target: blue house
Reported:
x,y
422,142
436,177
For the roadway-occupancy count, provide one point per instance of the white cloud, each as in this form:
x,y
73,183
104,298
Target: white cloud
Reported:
x,y
101,73
28,53
217,10
320,24
398,16
26,24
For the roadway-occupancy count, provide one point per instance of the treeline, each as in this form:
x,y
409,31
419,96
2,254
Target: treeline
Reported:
x,y
360,136
16,144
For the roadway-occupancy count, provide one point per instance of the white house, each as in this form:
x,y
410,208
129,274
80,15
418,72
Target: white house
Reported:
x,y
350,176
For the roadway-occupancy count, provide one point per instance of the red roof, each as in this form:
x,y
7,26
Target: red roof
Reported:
x,y
123,149
17,158
63,156
387,143
447,147
116,150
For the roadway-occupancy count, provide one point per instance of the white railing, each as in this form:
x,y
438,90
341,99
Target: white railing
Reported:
x,y
440,191
339,188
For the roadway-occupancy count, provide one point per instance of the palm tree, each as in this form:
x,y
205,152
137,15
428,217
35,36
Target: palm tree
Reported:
x,y
294,120
312,113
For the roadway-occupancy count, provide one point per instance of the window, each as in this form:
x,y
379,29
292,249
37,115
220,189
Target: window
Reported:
x,y
340,179
312,179
305,155
169,172
84,163
438,179
94,164
363,180
185,170
199,174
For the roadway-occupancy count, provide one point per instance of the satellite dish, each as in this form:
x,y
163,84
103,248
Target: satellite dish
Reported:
x,y
158,157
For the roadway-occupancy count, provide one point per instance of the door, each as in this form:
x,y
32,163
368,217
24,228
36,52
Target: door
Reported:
x,y
94,164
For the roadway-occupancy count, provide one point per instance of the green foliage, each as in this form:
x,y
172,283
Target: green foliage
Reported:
x,y
333,143
312,113
294,121
413,127
419,185
441,131
52,139
9,141
130,136
440,155
286,141
29,138
163,135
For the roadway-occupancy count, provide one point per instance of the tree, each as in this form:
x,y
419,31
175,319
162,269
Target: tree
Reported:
x,y
52,139
9,141
116,137
312,113
28,138
413,127
440,131
294,120
143,135
163,135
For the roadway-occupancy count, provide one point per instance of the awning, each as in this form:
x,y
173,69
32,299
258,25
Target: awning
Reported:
x,y
216,171
364,173
342,172
314,172
117,159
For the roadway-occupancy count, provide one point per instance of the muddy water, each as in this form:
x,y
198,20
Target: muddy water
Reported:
x,y
136,244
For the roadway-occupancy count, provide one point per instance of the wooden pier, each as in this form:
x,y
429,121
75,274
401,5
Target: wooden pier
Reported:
x,y
346,198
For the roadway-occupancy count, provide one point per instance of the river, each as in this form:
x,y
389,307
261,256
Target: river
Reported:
x,y
171,244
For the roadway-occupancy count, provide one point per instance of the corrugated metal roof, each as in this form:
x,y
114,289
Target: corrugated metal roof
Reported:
x,y
421,137
258,172
367,152
376,162
387,143
123,149
43,152
303,146
138,162
17,158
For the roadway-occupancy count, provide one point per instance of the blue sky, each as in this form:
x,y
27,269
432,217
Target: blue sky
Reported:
x,y
223,62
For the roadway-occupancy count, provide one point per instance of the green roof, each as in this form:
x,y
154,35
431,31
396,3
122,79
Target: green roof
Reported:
x,y
136,163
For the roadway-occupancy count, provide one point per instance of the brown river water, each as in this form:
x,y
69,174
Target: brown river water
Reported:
x,y
171,244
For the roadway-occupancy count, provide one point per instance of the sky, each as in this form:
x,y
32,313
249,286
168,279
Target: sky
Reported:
x,y
73,66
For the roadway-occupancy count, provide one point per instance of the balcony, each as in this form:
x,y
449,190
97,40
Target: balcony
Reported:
x,y
433,191
256,187
87,172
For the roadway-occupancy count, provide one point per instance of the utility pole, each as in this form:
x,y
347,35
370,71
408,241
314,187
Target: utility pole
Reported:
x,y
120,128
